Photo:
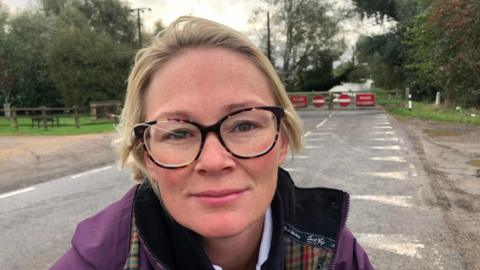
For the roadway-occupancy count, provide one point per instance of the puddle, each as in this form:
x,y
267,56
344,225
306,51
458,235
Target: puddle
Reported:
x,y
475,162
441,132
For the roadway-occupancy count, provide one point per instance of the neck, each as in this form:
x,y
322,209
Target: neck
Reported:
x,y
238,251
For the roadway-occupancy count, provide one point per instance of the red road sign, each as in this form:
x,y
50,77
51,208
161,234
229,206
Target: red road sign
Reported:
x,y
318,101
298,100
365,99
344,100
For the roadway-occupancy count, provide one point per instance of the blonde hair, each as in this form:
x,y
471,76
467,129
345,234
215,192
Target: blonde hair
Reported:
x,y
185,33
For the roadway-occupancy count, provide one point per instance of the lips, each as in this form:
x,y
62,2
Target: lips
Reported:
x,y
219,197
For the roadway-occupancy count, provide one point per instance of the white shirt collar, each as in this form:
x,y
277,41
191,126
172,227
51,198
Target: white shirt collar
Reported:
x,y
264,244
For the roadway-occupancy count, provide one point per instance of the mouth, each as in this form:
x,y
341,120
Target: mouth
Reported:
x,y
219,197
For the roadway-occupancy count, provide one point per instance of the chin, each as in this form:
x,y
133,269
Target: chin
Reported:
x,y
220,227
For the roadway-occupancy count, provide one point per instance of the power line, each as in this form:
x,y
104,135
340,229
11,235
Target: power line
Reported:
x,y
138,10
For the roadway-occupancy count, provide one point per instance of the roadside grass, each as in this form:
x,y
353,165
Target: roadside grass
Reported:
x,y
67,126
425,111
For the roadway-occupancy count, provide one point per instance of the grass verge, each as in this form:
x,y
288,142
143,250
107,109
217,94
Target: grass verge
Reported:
x,y
66,127
425,111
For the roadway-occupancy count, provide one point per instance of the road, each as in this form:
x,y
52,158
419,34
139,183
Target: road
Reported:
x,y
362,152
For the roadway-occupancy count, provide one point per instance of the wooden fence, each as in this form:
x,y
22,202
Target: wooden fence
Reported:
x,y
41,116
44,115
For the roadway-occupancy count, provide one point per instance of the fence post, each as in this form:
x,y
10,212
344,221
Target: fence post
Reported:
x,y
14,117
116,113
44,117
437,99
75,115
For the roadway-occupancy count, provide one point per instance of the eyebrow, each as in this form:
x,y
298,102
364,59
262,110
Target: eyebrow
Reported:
x,y
238,106
186,115
173,115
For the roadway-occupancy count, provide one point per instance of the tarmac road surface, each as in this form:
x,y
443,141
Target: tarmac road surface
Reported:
x,y
362,152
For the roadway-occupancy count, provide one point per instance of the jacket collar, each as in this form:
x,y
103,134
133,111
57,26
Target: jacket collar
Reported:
x,y
313,216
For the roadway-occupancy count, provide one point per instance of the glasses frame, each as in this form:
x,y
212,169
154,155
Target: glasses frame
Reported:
x,y
139,133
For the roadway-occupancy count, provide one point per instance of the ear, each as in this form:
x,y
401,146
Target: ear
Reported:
x,y
283,140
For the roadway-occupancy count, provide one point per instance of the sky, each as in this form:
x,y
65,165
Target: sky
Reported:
x,y
234,13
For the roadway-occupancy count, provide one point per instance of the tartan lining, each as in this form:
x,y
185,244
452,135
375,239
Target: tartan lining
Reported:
x,y
299,256
305,257
133,259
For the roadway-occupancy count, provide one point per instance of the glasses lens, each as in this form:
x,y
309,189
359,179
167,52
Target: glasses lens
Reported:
x,y
249,133
173,143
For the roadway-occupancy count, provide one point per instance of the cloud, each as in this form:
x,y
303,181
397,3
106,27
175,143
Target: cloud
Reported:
x,y
232,13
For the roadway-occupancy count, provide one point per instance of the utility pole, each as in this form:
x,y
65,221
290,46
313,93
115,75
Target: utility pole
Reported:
x,y
269,48
138,10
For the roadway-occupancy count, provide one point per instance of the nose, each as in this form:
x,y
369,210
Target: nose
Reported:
x,y
214,158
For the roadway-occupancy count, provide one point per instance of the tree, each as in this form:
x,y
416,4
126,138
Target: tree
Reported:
x,y
303,36
3,18
109,17
85,63
456,25
384,57
24,53
158,27
420,64
6,82
6,79
376,8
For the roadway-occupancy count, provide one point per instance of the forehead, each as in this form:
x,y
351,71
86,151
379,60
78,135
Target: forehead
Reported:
x,y
206,80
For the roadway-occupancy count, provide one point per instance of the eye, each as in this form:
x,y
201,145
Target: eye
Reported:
x,y
177,135
244,127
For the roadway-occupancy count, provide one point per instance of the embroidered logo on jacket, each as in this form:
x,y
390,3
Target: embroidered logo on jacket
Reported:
x,y
309,238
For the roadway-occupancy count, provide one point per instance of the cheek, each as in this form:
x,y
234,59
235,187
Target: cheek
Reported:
x,y
167,180
265,167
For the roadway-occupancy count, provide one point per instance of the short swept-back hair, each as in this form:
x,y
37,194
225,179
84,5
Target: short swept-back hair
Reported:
x,y
186,33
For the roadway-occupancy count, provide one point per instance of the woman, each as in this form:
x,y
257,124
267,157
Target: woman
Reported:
x,y
205,127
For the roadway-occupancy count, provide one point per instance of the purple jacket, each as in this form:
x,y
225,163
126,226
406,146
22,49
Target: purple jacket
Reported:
x,y
309,229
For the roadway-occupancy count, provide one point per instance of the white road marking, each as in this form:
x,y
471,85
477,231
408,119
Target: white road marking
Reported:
x,y
16,192
383,132
307,133
298,156
391,158
385,139
321,123
90,172
393,175
414,173
313,146
315,139
294,169
396,243
383,127
393,147
320,133
403,201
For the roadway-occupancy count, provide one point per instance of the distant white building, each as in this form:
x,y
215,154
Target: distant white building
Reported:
x,y
353,87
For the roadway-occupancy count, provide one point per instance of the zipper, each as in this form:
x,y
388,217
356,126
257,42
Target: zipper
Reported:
x,y
343,221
